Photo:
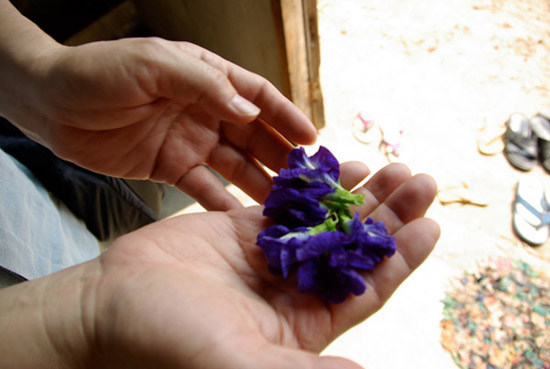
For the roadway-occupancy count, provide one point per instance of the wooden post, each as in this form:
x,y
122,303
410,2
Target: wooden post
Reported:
x,y
303,57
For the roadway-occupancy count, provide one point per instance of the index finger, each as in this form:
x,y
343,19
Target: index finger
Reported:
x,y
276,110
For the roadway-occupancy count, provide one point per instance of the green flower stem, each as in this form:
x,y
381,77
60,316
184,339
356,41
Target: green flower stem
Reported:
x,y
329,225
338,215
343,197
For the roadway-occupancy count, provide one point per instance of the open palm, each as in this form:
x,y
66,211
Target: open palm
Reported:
x,y
194,291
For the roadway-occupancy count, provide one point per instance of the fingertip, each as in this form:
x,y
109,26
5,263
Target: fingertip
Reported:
x,y
398,169
391,175
352,173
429,183
434,229
310,134
416,240
426,188
385,181
412,198
292,123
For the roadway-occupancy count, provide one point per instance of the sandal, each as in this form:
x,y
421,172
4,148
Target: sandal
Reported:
x,y
365,130
520,145
541,128
391,145
460,194
531,211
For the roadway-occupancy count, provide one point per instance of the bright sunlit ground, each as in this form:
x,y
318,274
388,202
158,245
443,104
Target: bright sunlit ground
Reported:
x,y
439,71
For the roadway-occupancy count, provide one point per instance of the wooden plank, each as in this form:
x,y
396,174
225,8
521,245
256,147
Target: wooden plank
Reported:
x,y
314,63
295,43
303,57
243,31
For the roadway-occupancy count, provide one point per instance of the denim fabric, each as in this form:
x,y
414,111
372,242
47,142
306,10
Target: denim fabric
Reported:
x,y
38,234
110,207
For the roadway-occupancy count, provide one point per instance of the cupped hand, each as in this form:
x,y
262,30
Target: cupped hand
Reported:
x,y
155,109
194,291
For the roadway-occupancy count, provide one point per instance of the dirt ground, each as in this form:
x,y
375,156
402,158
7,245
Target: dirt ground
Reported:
x,y
440,71
445,73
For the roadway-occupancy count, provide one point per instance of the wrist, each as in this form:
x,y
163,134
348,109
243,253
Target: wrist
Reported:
x,y
48,322
23,55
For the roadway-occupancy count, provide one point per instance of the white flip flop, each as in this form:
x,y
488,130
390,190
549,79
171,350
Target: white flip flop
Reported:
x,y
532,211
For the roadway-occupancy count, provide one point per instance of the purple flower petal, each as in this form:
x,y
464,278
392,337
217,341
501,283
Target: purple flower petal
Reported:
x,y
319,244
324,160
308,276
293,208
314,189
341,257
332,284
353,281
371,241
277,251
288,259
321,167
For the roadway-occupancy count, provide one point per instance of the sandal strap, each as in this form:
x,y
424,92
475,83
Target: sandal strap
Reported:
x,y
394,147
544,149
529,152
544,217
525,146
367,124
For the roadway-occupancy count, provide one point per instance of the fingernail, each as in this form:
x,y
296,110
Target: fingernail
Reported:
x,y
242,106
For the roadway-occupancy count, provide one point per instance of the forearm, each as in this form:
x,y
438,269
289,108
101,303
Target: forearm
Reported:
x,y
44,322
22,46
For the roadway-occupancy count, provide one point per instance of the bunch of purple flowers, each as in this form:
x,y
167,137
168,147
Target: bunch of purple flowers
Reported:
x,y
314,232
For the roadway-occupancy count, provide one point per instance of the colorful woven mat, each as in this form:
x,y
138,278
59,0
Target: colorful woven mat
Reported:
x,y
498,317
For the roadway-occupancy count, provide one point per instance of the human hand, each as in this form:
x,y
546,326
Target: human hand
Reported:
x,y
157,109
194,291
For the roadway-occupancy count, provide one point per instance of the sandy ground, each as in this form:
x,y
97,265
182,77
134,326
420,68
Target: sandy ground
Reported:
x,y
439,71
